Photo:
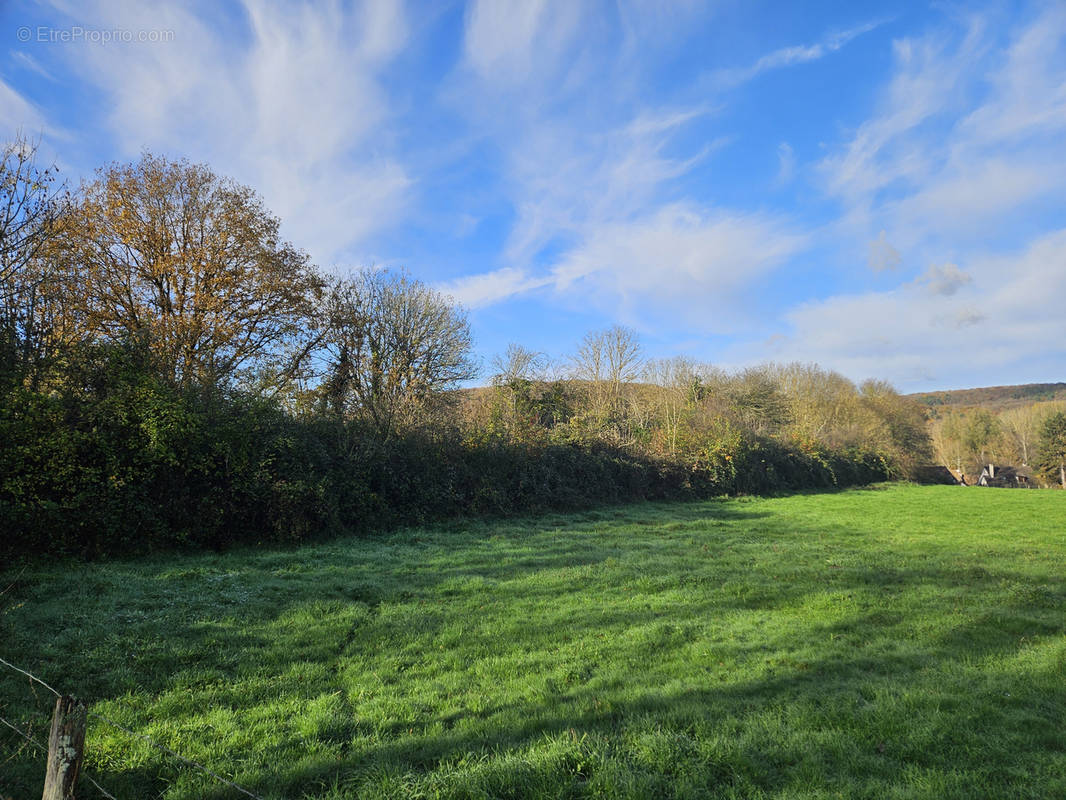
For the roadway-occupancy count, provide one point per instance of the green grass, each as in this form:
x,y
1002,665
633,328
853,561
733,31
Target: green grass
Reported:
x,y
899,642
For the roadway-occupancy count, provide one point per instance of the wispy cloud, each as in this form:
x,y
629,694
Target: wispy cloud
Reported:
x,y
677,262
680,263
598,156
926,84
947,165
19,115
25,61
285,98
506,42
566,180
786,163
933,161
731,78
488,288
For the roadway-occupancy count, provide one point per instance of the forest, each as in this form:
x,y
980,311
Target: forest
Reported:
x,y
1017,425
174,373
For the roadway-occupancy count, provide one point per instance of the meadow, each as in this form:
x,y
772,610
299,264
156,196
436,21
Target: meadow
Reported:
x,y
889,642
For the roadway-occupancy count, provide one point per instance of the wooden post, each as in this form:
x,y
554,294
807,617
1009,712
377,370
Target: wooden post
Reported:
x,y
65,745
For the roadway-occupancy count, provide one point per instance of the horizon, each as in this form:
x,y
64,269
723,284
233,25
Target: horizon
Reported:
x,y
875,190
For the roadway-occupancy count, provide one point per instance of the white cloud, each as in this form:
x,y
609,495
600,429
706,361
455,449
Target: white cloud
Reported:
x,y
476,291
998,321
679,263
26,61
290,103
19,115
788,56
966,143
1029,87
965,134
596,223
507,41
967,199
566,181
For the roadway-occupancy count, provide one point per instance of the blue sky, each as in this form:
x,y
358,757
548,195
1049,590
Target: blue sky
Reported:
x,y
876,187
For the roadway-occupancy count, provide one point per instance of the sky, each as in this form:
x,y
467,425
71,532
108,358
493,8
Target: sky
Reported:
x,y
879,188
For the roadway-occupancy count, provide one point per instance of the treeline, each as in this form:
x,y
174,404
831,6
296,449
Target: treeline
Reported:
x,y
173,373
994,398
763,428
1033,435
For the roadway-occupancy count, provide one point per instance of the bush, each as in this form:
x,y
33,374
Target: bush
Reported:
x,y
105,458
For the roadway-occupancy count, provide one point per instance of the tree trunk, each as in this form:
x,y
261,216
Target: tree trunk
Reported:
x,y
1062,474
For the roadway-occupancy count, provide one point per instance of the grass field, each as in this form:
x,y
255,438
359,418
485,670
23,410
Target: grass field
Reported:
x,y
895,642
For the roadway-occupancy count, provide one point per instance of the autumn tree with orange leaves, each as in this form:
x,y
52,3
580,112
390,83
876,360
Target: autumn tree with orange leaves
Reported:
x,y
191,266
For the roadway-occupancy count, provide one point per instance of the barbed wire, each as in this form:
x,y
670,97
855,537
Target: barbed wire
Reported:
x,y
44,749
11,585
126,730
31,676
25,736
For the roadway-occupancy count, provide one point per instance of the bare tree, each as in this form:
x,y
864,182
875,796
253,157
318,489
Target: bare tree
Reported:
x,y
30,204
677,387
393,346
606,360
610,358
514,375
1021,426
518,364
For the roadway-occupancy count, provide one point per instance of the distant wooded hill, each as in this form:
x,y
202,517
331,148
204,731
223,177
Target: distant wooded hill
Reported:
x,y
995,397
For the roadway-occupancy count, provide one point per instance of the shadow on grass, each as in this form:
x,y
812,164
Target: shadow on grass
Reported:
x,y
650,647
897,718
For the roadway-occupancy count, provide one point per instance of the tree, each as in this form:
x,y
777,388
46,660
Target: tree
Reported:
x,y
517,364
822,405
611,356
392,347
979,433
1053,446
517,396
678,388
190,265
30,204
1021,424
756,400
606,360
899,425
945,445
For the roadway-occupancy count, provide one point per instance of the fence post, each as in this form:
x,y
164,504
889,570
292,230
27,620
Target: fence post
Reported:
x,y
65,744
